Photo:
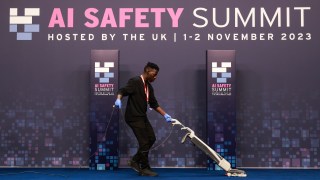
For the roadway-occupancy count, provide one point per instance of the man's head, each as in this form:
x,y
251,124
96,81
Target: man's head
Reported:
x,y
151,71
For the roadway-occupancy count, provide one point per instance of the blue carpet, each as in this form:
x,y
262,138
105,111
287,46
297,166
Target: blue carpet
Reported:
x,y
164,173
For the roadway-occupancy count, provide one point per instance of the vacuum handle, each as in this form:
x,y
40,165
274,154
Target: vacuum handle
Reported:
x,y
184,138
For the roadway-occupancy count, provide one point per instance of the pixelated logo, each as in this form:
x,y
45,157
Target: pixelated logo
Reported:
x,y
26,21
103,74
221,74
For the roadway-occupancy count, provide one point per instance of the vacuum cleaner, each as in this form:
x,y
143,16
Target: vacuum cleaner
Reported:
x,y
224,164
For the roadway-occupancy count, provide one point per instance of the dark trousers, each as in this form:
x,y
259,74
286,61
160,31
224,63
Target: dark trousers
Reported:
x,y
144,133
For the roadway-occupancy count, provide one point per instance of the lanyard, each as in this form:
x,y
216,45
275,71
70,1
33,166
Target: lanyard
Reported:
x,y
146,90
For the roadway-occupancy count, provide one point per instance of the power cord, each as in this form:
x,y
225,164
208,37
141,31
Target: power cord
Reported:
x,y
126,126
155,147
105,135
80,165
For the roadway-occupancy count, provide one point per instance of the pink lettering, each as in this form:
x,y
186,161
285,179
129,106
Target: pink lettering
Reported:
x,y
56,18
95,20
140,17
108,18
157,13
70,17
175,16
123,16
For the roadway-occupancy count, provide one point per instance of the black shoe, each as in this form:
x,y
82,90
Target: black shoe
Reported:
x,y
147,172
134,165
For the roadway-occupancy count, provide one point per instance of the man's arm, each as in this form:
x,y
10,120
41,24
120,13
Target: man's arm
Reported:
x,y
125,91
163,113
154,105
119,96
160,111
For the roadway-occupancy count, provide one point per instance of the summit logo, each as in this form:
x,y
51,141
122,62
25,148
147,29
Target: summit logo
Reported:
x,y
221,74
102,72
26,21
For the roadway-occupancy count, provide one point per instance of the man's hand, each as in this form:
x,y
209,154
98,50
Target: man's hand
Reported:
x,y
167,117
118,103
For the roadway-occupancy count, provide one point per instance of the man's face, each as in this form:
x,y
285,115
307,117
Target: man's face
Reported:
x,y
151,74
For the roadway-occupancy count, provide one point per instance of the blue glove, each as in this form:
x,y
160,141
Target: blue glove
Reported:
x,y
118,103
167,117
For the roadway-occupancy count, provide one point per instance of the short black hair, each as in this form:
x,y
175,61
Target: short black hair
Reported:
x,y
152,66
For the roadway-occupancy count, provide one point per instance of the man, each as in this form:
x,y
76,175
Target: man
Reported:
x,y
140,95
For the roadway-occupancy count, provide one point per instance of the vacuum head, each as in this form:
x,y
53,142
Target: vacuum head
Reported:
x,y
221,162
236,173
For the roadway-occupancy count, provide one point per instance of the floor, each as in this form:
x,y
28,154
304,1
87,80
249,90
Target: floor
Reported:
x,y
164,173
